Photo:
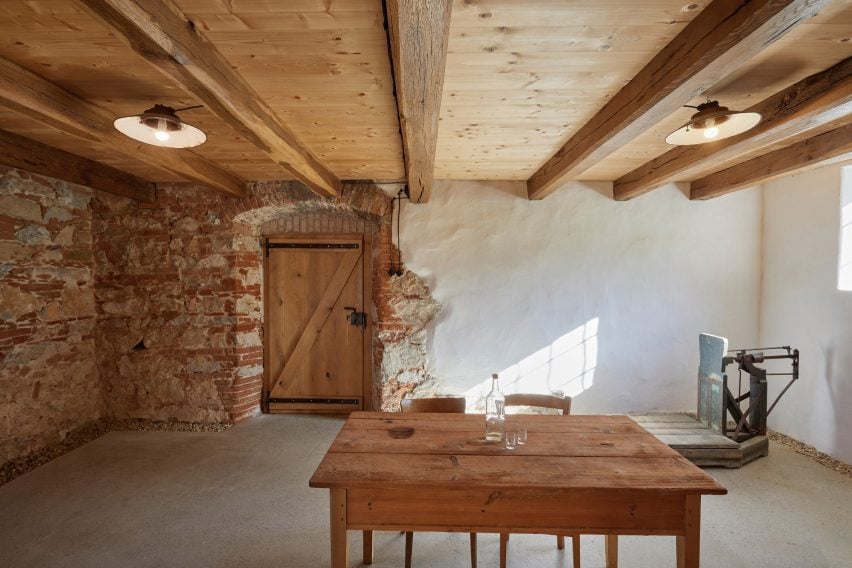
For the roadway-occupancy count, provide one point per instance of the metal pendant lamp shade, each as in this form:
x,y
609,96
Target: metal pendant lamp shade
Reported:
x,y
712,122
160,126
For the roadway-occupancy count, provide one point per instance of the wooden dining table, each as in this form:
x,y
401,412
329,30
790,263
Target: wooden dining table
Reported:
x,y
576,474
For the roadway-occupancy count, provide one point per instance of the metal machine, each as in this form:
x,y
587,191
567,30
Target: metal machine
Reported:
x,y
716,401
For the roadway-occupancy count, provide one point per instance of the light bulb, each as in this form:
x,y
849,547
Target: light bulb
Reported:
x,y
711,132
161,134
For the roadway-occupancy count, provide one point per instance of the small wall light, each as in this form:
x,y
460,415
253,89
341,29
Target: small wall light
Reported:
x,y
161,126
712,122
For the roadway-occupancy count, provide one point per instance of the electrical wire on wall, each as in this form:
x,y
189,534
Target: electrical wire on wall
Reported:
x,y
396,258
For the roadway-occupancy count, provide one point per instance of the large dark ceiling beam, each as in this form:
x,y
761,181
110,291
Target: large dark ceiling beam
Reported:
x,y
25,154
723,36
36,98
801,156
821,99
159,32
419,32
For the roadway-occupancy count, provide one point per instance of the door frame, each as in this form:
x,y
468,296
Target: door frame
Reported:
x,y
367,396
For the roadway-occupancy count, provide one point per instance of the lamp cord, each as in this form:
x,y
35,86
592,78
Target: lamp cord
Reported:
x,y
188,108
396,265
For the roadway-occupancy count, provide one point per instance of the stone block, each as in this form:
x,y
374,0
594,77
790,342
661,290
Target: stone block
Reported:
x,y
15,303
202,364
78,302
252,371
33,235
19,208
15,252
186,225
248,339
74,196
59,213
65,236
249,305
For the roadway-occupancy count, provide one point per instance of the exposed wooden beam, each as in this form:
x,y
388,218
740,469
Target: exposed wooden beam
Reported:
x,y
820,99
801,156
419,31
723,36
25,154
162,34
41,100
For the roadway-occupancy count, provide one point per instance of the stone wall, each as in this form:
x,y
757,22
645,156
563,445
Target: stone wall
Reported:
x,y
179,293
111,308
403,342
177,296
48,377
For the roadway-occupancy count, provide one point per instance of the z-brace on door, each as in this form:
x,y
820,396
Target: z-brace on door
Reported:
x,y
317,339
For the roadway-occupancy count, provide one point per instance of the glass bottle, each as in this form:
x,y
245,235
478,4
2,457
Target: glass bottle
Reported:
x,y
495,415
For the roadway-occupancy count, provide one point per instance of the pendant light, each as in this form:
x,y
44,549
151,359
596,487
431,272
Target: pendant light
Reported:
x,y
712,122
161,126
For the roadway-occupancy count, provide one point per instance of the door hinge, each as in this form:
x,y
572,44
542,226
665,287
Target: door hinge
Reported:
x,y
288,400
270,245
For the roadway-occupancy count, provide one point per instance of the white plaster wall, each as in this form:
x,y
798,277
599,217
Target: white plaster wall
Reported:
x,y
802,307
600,299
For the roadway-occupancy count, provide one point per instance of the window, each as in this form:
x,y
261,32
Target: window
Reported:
x,y
844,272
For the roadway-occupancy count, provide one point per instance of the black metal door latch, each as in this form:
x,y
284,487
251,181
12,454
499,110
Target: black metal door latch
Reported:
x,y
356,318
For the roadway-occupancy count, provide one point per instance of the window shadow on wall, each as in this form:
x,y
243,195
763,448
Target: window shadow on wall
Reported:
x,y
566,366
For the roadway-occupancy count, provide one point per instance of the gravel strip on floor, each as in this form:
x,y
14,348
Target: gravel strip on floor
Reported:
x,y
88,432
811,452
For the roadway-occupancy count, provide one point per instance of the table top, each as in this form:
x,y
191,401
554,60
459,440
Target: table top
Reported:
x,y
577,452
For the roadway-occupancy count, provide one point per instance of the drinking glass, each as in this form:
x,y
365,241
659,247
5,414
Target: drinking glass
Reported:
x,y
522,436
511,439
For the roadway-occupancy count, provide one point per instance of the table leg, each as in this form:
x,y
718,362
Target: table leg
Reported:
x,y
689,545
575,547
339,542
368,547
611,551
504,543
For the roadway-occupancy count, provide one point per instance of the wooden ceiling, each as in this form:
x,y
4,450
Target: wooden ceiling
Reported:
x,y
520,80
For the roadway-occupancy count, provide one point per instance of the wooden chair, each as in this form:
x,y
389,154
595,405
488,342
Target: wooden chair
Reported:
x,y
438,404
542,401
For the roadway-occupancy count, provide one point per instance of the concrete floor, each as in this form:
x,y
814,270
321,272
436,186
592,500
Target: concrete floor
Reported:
x,y
240,498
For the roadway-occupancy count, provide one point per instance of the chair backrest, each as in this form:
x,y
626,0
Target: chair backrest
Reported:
x,y
541,401
438,404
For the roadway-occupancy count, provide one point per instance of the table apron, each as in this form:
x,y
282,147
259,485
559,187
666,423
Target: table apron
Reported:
x,y
516,510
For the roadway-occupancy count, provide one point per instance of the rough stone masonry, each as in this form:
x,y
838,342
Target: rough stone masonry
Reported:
x,y
111,308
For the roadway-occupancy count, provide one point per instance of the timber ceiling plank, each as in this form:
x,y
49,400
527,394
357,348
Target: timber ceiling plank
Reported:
x,y
522,76
32,96
61,42
419,31
721,38
810,47
801,156
323,67
29,155
821,99
159,32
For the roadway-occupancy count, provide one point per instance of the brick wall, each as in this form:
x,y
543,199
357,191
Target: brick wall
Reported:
x,y
127,310
48,378
179,292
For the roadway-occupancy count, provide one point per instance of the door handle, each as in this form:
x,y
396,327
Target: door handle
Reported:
x,y
356,318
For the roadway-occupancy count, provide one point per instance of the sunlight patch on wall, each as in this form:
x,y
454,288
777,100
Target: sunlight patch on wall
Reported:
x,y
844,272
565,366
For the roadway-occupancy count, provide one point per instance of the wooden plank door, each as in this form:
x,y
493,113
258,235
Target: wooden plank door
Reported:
x,y
316,355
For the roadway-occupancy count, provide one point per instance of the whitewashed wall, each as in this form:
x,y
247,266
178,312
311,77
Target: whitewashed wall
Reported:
x,y
600,299
802,306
